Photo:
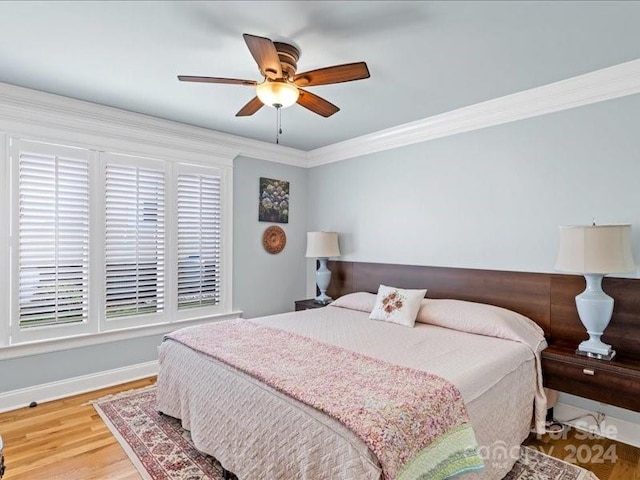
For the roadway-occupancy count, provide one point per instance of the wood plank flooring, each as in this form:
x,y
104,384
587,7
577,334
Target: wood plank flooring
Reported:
x,y
608,459
67,440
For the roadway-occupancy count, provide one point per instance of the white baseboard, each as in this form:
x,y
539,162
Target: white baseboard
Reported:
x,y
76,385
611,427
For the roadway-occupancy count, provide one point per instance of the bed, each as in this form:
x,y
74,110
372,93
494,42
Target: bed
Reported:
x,y
258,432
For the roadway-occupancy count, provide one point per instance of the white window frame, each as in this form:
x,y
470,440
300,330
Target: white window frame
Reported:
x,y
6,279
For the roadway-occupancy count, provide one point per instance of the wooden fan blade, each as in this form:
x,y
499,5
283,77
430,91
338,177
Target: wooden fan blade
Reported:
x,y
265,54
316,104
229,81
336,74
250,108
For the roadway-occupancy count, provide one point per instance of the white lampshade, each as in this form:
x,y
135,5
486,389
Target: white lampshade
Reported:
x,y
322,245
277,93
595,249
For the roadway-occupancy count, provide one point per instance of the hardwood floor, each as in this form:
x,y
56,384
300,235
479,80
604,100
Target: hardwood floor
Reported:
x,y
67,440
608,459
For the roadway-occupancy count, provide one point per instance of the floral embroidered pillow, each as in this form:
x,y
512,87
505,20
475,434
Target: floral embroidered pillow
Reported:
x,y
397,305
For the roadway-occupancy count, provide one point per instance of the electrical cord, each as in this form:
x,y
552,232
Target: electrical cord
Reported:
x,y
554,427
598,418
559,425
551,426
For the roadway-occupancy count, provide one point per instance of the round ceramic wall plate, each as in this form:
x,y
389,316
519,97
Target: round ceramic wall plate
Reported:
x,y
274,239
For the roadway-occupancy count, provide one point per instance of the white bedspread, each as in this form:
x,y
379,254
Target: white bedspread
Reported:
x,y
474,363
259,433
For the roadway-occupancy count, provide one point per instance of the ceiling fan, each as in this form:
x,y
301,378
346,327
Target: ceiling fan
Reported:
x,y
281,87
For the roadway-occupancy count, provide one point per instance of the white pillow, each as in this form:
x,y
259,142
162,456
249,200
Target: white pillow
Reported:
x,y
481,319
362,301
397,305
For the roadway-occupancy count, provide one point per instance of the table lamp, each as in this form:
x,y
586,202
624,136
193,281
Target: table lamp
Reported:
x,y
322,245
594,251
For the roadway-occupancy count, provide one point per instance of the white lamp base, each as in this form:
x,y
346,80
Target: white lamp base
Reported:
x,y
595,309
596,355
323,277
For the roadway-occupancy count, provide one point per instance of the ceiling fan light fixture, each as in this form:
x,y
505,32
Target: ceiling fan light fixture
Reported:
x,y
277,93
282,86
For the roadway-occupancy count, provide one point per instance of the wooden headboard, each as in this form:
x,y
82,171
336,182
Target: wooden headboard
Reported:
x,y
548,299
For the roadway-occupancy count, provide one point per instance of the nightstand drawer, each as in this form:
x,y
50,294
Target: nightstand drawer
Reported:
x,y
595,379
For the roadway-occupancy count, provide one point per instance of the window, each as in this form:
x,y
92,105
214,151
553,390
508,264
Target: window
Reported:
x,y
53,238
134,239
103,241
199,240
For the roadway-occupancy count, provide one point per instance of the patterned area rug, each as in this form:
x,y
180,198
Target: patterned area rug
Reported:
x,y
162,450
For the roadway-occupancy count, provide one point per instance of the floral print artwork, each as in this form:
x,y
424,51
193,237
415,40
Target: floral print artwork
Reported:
x,y
273,203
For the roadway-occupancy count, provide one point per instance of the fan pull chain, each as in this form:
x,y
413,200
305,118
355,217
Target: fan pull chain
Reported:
x,y
278,124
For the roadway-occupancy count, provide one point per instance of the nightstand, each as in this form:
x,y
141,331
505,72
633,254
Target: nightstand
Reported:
x,y
308,304
616,382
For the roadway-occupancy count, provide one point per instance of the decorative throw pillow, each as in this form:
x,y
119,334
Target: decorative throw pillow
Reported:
x,y
397,305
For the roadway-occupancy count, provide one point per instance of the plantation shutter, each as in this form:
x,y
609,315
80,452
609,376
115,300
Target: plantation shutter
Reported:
x,y
53,243
134,239
199,240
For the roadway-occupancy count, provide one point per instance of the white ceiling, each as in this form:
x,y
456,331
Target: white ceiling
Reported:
x,y
425,58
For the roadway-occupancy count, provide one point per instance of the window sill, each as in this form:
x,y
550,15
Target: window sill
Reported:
x,y
47,346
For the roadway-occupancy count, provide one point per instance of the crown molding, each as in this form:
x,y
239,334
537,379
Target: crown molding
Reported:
x,y
597,86
33,113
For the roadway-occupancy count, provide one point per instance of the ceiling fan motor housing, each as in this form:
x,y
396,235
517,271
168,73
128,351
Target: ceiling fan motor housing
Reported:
x,y
289,56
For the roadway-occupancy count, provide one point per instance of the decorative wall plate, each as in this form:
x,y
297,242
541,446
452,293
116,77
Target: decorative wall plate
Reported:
x,y
274,239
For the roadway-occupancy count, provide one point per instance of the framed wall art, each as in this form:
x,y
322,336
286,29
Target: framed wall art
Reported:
x,y
273,204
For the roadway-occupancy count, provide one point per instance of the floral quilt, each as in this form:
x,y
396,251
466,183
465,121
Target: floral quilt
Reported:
x,y
414,422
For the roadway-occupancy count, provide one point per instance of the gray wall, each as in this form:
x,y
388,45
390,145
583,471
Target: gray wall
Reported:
x,y
264,283
491,198
23,372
